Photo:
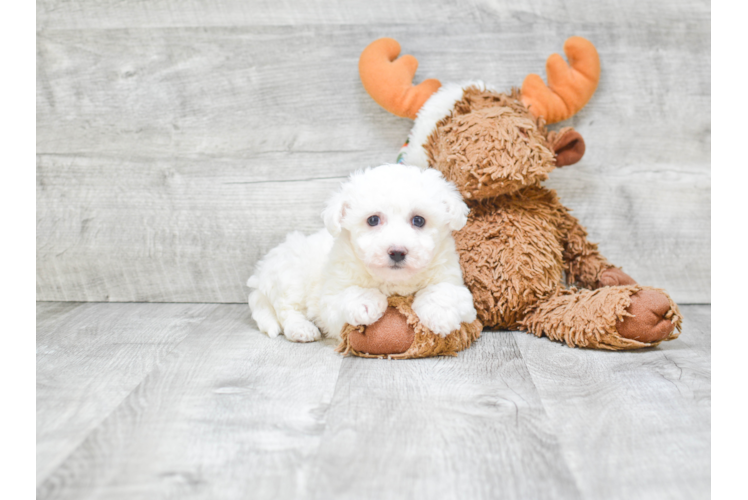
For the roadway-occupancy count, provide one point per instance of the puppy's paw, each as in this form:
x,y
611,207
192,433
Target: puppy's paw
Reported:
x,y
364,306
440,320
443,307
301,330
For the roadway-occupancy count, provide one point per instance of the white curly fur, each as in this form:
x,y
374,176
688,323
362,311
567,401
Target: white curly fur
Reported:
x,y
314,284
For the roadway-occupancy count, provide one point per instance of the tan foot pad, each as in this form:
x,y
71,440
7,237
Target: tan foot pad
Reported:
x,y
648,323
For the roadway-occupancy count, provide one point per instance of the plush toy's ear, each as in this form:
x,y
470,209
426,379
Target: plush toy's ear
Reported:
x,y
334,213
568,145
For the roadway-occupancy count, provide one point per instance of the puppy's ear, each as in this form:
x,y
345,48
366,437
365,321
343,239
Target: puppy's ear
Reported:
x,y
457,210
334,213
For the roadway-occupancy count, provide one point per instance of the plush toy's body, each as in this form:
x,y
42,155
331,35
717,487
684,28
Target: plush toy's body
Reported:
x,y
520,240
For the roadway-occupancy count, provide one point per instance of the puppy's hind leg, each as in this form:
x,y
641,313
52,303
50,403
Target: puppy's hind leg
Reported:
x,y
264,314
297,328
294,325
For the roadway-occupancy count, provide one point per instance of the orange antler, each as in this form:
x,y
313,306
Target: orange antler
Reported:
x,y
390,82
569,87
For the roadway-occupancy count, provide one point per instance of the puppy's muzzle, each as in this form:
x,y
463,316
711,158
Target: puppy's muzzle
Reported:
x,y
397,254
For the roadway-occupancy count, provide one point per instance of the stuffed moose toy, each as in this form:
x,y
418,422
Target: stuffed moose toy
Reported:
x,y
519,239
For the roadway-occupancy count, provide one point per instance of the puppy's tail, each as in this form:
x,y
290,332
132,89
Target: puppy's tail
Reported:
x,y
262,311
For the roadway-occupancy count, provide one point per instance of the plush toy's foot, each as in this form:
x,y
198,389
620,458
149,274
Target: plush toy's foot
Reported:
x,y
612,317
648,323
391,334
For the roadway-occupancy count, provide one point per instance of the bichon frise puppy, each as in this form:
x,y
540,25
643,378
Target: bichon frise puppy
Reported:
x,y
389,231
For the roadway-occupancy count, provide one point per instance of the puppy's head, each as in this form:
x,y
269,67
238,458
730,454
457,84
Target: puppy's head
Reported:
x,y
396,218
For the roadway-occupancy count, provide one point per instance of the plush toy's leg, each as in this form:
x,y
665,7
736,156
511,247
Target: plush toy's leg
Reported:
x,y
614,317
584,264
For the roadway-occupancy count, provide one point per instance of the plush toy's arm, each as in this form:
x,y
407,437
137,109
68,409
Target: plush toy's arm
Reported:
x,y
585,266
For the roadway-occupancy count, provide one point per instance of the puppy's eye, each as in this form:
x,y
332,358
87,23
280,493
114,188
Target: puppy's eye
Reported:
x,y
418,221
373,220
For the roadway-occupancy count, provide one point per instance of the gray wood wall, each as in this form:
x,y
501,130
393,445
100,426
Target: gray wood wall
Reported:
x,y
178,141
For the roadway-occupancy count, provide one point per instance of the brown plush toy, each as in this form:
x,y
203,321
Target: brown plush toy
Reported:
x,y
519,240
400,335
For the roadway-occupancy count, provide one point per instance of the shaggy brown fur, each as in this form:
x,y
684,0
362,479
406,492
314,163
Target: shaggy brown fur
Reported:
x,y
514,250
490,145
425,344
520,239
590,318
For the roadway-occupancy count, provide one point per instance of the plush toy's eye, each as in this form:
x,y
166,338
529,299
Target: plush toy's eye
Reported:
x,y
373,220
418,221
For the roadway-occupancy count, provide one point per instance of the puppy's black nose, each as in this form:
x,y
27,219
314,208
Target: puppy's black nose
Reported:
x,y
397,254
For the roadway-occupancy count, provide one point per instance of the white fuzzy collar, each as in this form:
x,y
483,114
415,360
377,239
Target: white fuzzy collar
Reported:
x,y
438,107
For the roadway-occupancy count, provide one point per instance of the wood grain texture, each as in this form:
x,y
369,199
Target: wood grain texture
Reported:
x,y
172,153
217,410
631,425
89,358
61,14
229,413
470,426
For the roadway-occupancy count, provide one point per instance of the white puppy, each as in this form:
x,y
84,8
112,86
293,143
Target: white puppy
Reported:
x,y
389,231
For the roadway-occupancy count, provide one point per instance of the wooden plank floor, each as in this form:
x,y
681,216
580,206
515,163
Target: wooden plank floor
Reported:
x,y
191,401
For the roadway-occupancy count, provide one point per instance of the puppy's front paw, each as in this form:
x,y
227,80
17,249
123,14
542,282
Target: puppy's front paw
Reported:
x,y
301,330
364,306
440,320
443,307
